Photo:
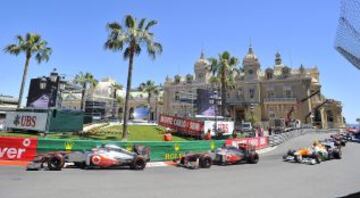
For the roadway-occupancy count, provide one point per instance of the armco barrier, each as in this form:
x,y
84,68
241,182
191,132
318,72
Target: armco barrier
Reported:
x,y
277,139
160,151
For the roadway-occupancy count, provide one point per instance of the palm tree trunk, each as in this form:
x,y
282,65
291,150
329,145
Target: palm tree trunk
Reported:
x,y
128,87
149,98
223,92
28,56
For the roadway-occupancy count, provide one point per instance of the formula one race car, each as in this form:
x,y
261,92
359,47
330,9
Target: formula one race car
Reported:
x,y
195,160
106,156
234,155
318,152
341,138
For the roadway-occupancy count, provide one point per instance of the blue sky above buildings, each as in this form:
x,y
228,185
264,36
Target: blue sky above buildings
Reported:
x,y
302,31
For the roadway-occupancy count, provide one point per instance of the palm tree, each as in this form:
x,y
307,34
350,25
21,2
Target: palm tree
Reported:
x,y
223,68
151,89
31,45
129,41
84,79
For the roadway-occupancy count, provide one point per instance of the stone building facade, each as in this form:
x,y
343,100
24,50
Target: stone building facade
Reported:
x,y
278,92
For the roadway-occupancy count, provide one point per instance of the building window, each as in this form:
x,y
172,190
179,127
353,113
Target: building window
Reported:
x,y
176,96
250,71
270,94
288,92
240,93
252,93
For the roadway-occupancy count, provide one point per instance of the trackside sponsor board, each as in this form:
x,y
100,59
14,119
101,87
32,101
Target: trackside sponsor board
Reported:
x,y
26,120
12,148
183,125
227,127
257,142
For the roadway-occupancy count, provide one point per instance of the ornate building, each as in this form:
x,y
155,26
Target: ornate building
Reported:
x,y
278,92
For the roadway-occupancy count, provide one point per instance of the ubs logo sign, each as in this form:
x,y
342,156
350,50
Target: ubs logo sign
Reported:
x,y
25,121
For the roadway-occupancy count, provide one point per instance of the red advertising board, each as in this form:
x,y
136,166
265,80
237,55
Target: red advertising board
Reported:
x,y
182,125
258,142
12,148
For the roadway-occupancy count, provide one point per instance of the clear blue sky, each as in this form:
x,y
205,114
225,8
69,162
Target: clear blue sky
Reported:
x,y
303,32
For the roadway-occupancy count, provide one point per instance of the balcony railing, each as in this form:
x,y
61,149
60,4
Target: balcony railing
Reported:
x,y
280,100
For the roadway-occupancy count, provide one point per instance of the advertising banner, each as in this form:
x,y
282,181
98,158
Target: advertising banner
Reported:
x,y
225,127
203,103
257,142
159,150
26,120
183,125
13,148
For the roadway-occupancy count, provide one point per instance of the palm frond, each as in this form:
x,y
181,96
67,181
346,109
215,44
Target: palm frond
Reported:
x,y
141,24
150,24
130,21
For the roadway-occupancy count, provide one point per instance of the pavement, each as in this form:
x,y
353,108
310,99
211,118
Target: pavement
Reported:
x,y
271,177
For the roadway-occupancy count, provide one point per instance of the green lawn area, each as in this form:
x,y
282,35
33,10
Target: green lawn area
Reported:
x,y
136,133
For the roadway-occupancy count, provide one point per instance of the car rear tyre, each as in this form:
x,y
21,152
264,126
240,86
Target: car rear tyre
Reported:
x,y
254,158
205,162
56,162
139,163
337,154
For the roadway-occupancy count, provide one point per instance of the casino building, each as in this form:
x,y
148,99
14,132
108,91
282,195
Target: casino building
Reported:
x,y
263,95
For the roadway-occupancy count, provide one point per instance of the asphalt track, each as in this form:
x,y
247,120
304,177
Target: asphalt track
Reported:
x,y
271,177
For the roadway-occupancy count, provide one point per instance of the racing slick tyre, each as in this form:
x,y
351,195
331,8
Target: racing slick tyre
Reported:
x,y
253,158
139,163
343,143
205,162
81,165
317,158
298,158
56,162
337,154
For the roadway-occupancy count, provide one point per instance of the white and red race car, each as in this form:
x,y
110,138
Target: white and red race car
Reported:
x,y
106,156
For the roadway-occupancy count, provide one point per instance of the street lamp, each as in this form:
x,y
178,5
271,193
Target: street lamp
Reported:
x,y
54,76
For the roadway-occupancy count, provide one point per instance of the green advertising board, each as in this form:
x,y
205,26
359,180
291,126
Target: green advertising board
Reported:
x,y
160,151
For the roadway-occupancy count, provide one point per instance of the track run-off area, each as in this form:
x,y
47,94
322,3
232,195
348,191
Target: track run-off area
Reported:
x,y
271,177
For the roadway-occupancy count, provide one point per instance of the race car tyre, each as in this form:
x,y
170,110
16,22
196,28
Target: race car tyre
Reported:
x,y
317,158
56,162
80,165
205,162
337,154
139,163
298,159
253,158
343,143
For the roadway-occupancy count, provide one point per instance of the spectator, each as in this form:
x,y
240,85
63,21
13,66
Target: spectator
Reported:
x,y
270,130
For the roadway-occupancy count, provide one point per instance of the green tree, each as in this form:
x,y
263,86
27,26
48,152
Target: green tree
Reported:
x,y
129,40
83,79
151,89
223,69
32,46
